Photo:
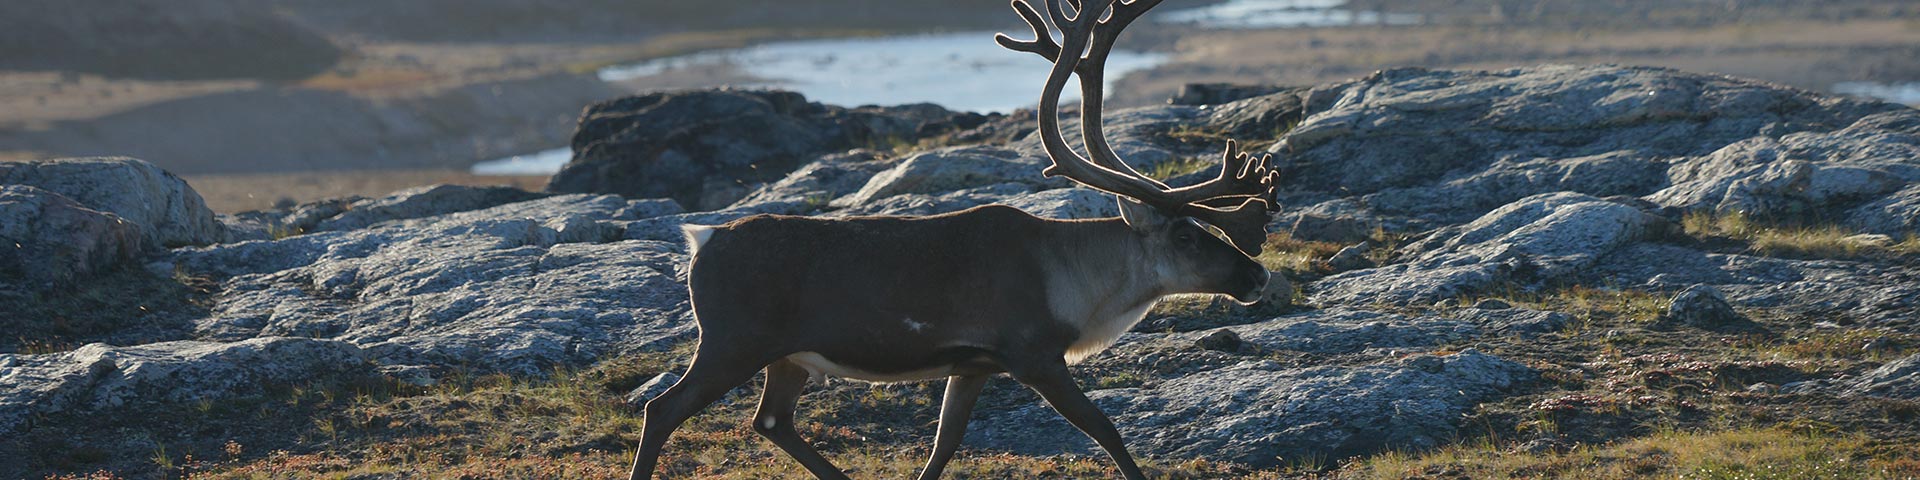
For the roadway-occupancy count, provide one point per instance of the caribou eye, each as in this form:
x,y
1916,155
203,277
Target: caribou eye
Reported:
x,y
1184,237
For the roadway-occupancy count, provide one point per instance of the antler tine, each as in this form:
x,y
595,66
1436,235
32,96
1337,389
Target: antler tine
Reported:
x,y
1042,43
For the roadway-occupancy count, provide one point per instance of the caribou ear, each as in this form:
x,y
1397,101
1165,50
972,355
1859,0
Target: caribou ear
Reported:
x,y
1142,218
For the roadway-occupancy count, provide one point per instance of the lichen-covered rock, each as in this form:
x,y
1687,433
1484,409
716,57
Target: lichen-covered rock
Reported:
x,y
518,287
48,240
1539,238
1263,414
100,376
670,144
167,211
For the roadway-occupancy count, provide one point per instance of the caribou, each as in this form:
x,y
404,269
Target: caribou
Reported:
x,y
970,294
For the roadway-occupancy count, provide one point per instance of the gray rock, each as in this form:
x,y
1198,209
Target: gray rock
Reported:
x,y
808,189
431,200
1496,316
655,386
167,211
518,287
1221,340
1846,291
1796,174
1539,238
1897,379
1353,257
1262,414
99,376
1067,203
1447,145
929,204
670,144
50,240
1705,307
951,169
1344,330
1895,214
1322,228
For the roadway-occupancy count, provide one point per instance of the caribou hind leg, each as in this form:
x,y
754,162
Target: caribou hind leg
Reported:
x,y
955,409
774,418
716,369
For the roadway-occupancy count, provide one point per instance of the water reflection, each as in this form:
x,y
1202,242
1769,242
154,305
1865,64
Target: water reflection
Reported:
x,y
1284,14
1906,93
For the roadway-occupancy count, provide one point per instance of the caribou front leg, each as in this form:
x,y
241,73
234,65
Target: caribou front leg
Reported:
x,y
1050,378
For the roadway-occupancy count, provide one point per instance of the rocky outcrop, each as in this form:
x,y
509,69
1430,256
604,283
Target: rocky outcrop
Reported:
x,y
682,145
1541,238
1437,147
167,211
517,287
50,240
100,376
354,213
1803,173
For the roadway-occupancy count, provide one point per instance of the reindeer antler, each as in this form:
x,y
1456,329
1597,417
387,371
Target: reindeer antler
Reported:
x,y
1237,201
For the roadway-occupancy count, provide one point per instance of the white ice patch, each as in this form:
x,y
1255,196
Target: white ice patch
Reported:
x,y
915,326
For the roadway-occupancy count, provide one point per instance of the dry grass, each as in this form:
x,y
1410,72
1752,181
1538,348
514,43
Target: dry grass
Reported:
x,y
1758,453
1299,257
1782,239
1865,344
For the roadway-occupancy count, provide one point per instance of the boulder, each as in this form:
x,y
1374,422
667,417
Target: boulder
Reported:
x,y
1704,307
809,188
165,209
100,376
1539,238
50,240
671,144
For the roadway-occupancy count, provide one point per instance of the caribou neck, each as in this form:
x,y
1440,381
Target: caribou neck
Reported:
x,y
1101,279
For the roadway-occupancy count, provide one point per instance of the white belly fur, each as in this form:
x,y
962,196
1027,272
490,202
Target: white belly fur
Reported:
x,y
819,366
